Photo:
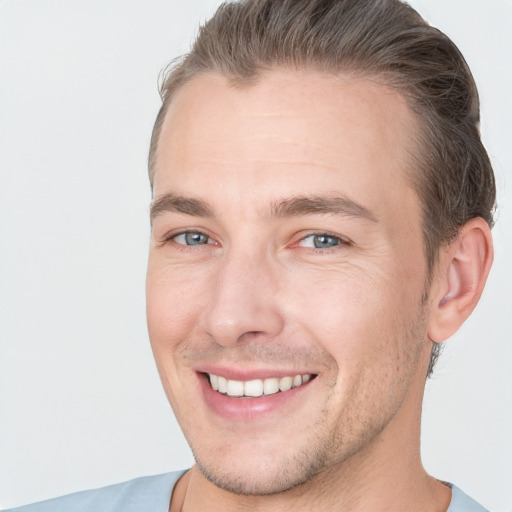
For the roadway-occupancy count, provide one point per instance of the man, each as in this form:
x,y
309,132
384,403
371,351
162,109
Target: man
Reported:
x,y
321,218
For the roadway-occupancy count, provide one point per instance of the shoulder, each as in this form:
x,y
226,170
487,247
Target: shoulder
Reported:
x,y
461,502
149,493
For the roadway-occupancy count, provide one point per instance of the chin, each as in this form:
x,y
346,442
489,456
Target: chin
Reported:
x,y
257,476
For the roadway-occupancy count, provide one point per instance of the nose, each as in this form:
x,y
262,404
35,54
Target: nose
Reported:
x,y
243,304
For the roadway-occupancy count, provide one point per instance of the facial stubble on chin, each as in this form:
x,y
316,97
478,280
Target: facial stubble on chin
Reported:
x,y
346,437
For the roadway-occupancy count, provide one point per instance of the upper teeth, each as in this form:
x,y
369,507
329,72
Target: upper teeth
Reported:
x,y
257,387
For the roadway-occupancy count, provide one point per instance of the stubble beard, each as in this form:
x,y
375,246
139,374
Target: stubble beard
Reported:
x,y
322,457
291,473
331,448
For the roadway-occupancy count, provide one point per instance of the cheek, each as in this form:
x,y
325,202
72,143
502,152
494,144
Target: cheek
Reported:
x,y
336,301
357,315
173,302
372,330
170,308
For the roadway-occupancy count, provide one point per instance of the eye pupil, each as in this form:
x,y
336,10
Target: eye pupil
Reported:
x,y
323,241
195,239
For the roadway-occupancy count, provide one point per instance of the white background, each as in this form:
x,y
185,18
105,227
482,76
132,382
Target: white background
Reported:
x,y
80,401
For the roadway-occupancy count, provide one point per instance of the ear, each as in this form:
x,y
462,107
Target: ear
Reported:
x,y
460,279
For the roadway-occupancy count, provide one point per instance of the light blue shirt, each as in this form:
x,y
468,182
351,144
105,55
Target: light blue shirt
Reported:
x,y
153,494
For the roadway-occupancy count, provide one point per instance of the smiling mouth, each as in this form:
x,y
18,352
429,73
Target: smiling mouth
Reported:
x,y
257,387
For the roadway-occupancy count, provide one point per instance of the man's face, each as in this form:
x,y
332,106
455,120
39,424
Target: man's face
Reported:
x,y
287,242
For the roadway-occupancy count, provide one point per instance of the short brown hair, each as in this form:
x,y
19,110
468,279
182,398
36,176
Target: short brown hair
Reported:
x,y
387,39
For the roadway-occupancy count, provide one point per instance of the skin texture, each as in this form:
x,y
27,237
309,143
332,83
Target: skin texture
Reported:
x,y
258,296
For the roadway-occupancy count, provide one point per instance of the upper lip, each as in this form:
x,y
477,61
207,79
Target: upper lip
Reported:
x,y
232,373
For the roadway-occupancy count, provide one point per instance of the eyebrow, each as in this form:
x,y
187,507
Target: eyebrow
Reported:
x,y
179,204
288,207
318,205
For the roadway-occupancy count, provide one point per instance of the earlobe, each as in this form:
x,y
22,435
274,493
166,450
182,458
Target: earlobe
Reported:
x,y
460,279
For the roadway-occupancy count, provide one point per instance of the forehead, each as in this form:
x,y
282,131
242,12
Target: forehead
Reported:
x,y
303,131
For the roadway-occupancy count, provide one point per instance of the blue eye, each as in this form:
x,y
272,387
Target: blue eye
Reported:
x,y
321,241
191,238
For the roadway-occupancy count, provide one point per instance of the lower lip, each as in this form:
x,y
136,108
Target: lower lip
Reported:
x,y
248,409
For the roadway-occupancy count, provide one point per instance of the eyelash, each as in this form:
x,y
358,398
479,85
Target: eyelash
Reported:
x,y
171,238
342,242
